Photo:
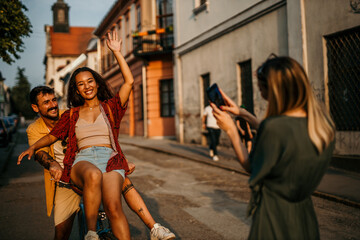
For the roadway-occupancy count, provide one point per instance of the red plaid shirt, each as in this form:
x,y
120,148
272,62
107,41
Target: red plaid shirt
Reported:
x,y
65,128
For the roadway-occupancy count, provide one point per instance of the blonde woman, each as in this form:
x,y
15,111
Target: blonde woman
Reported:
x,y
291,152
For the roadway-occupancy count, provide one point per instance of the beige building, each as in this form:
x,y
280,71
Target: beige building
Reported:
x,y
225,41
145,27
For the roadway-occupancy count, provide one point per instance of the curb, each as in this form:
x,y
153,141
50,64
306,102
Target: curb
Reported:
x,y
189,158
319,194
337,199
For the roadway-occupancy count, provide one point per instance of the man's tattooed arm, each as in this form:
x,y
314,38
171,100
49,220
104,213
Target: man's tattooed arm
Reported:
x,y
44,159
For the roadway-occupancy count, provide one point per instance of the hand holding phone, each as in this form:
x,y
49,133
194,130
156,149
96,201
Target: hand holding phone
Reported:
x,y
215,96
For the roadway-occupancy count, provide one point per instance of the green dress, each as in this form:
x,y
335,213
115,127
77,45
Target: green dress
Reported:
x,y
285,170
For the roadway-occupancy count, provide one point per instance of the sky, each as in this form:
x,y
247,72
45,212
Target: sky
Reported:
x,y
82,13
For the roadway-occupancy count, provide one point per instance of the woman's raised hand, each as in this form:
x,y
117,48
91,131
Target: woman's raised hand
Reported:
x,y
113,42
30,151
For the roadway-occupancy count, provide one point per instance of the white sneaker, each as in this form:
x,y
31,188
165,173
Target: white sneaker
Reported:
x,y
216,158
211,153
159,232
91,235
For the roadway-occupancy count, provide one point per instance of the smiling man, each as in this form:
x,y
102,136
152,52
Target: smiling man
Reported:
x,y
59,197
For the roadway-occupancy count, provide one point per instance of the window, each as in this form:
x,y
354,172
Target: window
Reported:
x,y
112,59
205,83
343,55
199,6
164,13
119,28
167,107
164,19
104,62
141,103
127,32
109,57
138,18
61,16
246,86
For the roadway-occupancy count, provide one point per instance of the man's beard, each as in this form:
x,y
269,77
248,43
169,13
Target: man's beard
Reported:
x,y
54,118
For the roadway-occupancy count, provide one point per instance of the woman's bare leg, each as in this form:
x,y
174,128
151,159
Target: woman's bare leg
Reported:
x,y
136,203
89,178
111,193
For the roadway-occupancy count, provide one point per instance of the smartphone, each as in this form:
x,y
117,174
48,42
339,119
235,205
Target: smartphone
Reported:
x,y
215,96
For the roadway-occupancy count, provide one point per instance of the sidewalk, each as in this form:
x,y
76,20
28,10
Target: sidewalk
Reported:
x,y
337,185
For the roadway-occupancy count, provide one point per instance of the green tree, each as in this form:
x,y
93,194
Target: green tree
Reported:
x,y
20,95
14,25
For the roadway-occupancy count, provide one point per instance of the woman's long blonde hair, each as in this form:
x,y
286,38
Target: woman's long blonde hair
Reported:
x,y
288,88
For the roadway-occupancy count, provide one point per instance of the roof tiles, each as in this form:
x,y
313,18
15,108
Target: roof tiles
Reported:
x,y
74,42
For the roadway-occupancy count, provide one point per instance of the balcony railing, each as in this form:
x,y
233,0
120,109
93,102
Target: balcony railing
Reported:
x,y
153,42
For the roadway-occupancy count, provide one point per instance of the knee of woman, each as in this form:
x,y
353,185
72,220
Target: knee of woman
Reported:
x,y
94,176
114,209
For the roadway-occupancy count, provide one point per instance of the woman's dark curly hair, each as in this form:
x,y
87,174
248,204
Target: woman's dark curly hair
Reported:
x,y
74,99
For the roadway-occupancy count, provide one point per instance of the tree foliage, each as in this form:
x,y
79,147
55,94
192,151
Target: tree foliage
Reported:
x,y
20,95
14,25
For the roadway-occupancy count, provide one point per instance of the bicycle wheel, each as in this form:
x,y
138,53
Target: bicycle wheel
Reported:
x,y
103,226
107,236
82,222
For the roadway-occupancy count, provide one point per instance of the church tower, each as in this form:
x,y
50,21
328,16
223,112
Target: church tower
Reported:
x,y
60,16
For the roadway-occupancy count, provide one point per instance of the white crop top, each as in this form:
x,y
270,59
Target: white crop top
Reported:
x,y
92,134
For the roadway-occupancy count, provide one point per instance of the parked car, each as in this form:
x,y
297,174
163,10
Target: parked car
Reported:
x,y
9,126
5,136
16,119
12,122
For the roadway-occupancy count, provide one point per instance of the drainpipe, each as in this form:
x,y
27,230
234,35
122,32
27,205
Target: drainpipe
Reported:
x,y
180,99
304,36
144,88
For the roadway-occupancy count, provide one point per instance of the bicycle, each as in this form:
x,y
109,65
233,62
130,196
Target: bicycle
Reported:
x,y
103,227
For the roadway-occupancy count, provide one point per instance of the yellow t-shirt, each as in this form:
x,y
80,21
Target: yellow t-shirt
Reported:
x,y
35,131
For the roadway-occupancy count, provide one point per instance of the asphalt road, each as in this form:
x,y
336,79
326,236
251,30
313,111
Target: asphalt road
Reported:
x,y
194,200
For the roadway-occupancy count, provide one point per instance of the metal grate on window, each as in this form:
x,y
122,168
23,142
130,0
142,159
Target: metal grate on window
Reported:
x,y
167,105
246,86
206,83
343,54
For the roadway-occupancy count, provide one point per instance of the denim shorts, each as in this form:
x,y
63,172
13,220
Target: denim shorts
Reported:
x,y
99,156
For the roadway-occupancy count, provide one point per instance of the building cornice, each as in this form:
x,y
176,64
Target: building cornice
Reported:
x,y
245,17
118,8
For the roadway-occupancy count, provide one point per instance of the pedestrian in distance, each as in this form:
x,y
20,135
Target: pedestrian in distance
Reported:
x,y
93,159
213,132
291,153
